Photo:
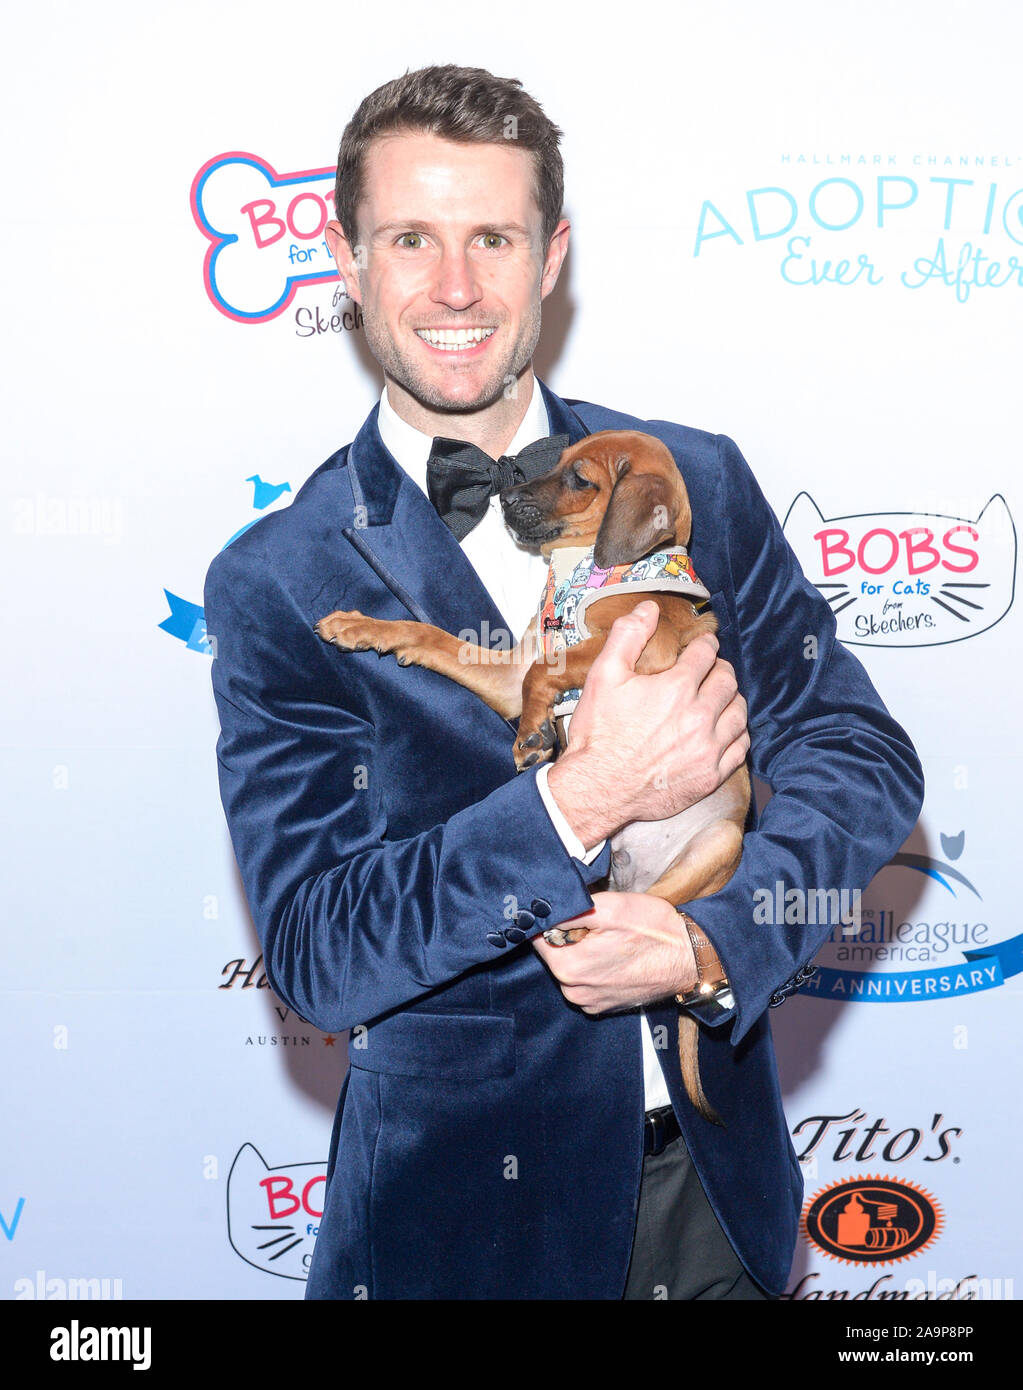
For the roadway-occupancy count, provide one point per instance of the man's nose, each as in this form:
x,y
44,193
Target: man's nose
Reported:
x,y
456,284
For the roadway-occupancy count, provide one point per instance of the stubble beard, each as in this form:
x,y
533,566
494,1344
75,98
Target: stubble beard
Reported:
x,y
398,366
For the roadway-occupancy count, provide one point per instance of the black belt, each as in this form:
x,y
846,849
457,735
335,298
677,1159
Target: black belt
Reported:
x,y
660,1128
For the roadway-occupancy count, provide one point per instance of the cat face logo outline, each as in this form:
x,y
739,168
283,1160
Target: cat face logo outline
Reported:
x,y
908,579
273,1214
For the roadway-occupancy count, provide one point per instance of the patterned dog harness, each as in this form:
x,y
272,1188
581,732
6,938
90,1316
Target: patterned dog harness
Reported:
x,y
574,582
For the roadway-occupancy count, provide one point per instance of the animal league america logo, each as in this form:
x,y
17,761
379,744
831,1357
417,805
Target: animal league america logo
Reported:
x,y
908,579
265,233
898,930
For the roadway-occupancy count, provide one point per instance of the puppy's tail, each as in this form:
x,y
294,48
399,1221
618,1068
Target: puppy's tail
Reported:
x,y
688,1053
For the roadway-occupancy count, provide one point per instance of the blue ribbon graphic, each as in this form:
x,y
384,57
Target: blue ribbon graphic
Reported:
x,y
984,969
187,622
1008,954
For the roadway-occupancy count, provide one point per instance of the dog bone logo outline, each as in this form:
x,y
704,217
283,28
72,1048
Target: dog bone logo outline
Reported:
x,y
259,242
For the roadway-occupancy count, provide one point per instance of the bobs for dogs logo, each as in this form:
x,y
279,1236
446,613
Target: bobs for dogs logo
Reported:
x,y
905,579
273,1214
265,231
872,1220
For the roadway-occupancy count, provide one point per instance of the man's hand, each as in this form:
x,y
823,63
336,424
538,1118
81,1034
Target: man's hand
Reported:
x,y
646,747
637,950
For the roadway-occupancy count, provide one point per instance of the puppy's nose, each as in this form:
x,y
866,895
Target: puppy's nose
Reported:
x,y
516,495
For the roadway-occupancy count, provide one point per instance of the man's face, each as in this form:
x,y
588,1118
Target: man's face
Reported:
x,y
452,270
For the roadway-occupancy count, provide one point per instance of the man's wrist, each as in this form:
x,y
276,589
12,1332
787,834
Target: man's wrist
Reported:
x,y
710,994
691,972
582,802
566,834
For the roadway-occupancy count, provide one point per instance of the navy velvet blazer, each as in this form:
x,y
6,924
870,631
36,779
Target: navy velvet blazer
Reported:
x,y
488,1139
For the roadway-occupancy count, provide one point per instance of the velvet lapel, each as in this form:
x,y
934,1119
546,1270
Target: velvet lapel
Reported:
x,y
396,531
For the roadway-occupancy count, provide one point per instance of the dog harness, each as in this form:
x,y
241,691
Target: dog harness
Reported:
x,y
574,581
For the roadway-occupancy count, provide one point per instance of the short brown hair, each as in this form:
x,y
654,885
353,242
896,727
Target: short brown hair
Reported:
x,y
469,105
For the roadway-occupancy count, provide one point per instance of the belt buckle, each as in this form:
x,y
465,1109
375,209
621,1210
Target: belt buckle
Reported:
x,y
655,1133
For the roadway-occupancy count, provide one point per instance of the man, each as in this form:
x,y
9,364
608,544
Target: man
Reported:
x,y
491,1140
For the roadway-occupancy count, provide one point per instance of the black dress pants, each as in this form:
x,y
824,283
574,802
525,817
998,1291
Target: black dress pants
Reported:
x,y
679,1250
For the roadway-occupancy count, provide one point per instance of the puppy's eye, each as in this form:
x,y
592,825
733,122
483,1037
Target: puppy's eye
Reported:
x,y
578,483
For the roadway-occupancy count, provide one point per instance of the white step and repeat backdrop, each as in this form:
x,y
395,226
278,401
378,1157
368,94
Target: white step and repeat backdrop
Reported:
x,y
799,225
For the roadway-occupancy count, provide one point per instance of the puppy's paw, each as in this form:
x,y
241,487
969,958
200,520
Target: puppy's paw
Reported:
x,y
537,745
352,632
556,936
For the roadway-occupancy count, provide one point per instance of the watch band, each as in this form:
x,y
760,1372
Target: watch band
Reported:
x,y
712,995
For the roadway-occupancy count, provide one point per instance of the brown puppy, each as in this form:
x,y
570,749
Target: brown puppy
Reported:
x,y
618,493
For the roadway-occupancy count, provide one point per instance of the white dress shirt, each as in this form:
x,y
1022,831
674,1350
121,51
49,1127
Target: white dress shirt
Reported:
x,y
515,578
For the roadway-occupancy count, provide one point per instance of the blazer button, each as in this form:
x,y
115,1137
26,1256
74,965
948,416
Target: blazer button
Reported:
x,y
524,919
540,907
496,938
513,935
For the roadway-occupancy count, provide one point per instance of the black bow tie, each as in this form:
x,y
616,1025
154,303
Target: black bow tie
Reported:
x,y
461,479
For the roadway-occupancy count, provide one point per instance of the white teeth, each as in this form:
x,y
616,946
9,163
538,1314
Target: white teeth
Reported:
x,y
451,339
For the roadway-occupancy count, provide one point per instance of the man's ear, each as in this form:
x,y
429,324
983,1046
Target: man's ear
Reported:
x,y
557,250
348,259
640,515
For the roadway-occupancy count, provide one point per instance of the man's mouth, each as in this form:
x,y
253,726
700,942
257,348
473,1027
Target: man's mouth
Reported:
x,y
454,339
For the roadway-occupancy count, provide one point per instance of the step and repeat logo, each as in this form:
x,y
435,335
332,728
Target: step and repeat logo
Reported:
x,y
871,1220
187,620
930,221
905,579
273,1214
265,233
878,959
9,1224
876,1223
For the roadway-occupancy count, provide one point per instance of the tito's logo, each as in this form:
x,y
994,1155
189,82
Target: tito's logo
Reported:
x,y
872,1220
265,232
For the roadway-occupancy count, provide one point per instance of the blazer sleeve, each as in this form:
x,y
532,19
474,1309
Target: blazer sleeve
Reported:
x,y
847,784
354,924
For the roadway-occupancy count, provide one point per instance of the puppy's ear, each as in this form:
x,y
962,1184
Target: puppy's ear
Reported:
x,y
642,513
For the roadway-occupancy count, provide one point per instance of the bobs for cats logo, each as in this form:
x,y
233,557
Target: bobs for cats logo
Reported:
x,y
265,231
908,579
273,1214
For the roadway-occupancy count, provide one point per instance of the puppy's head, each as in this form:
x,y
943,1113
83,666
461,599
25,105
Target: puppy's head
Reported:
x,y
619,491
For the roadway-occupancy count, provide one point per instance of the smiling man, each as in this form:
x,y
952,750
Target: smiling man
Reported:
x,y
514,1123
451,300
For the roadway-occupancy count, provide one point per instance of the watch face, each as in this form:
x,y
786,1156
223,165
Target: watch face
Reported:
x,y
709,1001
